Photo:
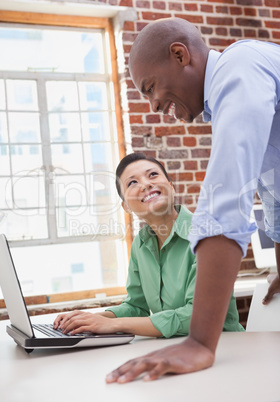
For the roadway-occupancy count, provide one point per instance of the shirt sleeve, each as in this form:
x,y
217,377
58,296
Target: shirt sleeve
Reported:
x,y
177,322
242,102
135,304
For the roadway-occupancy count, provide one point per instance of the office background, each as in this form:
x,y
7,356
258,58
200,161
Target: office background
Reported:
x,y
184,149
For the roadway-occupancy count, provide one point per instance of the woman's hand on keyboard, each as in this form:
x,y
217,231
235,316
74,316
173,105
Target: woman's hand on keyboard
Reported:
x,y
79,321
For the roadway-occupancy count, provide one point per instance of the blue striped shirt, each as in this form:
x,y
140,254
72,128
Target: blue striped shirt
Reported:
x,y
242,100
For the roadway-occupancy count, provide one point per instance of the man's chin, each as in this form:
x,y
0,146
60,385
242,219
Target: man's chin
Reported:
x,y
187,119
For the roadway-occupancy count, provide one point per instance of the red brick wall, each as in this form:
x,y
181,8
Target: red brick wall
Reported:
x,y
184,149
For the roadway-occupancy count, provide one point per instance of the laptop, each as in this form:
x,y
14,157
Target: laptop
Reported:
x,y
40,336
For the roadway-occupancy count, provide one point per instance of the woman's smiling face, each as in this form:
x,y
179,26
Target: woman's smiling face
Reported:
x,y
146,190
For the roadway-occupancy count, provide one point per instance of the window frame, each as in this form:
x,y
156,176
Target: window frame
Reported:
x,y
58,20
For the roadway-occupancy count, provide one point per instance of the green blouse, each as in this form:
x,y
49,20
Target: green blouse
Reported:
x,y
161,284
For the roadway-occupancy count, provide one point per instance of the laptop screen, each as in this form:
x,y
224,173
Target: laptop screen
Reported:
x,y
12,292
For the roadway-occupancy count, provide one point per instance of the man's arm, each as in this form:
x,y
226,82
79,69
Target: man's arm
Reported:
x,y
218,261
275,278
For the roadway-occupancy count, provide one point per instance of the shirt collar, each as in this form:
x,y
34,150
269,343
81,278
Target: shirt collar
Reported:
x,y
181,226
210,66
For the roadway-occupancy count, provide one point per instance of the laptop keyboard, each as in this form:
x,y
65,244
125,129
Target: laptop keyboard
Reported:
x,y
48,330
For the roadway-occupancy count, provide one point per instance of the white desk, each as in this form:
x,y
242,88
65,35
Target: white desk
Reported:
x,y
247,369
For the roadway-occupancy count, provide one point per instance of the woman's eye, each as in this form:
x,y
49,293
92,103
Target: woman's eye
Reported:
x,y
150,89
153,174
131,182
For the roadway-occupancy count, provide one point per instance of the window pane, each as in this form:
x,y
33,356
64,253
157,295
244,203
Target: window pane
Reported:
x,y
67,158
6,193
62,96
95,126
25,224
102,188
71,191
28,191
26,158
58,150
113,262
22,95
110,211
69,267
87,220
76,221
4,160
24,127
91,52
87,207
2,95
98,157
48,50
112,94
93,95
65,127
3,128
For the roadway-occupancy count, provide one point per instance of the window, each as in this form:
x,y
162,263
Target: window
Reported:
x,y
59,146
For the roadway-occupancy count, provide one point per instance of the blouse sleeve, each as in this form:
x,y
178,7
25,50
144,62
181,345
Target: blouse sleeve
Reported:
x,y
177,322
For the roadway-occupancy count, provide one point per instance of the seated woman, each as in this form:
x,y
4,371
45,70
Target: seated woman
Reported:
x,y
162,268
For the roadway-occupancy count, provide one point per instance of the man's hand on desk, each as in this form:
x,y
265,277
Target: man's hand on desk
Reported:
x,y
186,357
79,321
274,287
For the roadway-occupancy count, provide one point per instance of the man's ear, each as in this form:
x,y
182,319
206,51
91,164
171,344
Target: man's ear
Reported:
x,y
126,207
180,52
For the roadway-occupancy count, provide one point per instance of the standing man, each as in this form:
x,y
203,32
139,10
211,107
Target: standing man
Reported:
x,y
239,92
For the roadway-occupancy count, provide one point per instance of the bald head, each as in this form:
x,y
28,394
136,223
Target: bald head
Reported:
x,y
153,42
167,64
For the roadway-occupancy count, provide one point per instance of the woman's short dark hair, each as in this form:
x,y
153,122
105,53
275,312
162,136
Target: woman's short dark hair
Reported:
x,y
130,158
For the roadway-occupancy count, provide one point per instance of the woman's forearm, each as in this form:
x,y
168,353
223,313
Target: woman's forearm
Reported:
x,y
142,326
108,314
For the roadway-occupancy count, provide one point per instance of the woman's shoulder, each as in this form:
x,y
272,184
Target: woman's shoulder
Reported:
x,y
184,212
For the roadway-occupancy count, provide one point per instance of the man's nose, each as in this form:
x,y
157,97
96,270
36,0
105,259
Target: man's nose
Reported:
x,y
155,105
